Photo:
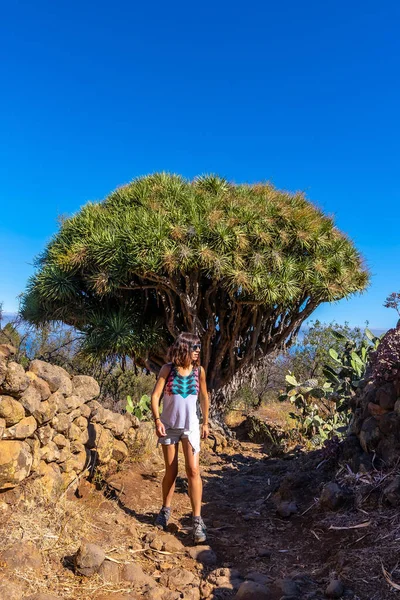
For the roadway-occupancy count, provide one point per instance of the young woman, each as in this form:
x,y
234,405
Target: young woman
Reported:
x,y
181,382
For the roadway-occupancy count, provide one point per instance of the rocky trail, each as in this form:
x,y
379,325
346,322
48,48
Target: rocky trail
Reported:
x,y
278,529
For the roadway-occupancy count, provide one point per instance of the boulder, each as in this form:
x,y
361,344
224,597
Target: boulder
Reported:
x,y
15,463
76,462
31,399
76,447
15,380
61,441
102,441
117,423
86,387
66,404
57,378
61,423
45,412
85,411
25,428
49,484
120,451
11,410
81,422
50,452
45,434
39,384
76,434
89,558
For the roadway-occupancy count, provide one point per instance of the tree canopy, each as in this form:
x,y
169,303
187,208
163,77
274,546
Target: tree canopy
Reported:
x,y
242,265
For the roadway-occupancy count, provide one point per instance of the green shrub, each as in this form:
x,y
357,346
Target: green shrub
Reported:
x,y
324,411
141,409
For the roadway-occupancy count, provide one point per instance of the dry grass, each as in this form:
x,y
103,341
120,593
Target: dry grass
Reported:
x,y
56,529
273,410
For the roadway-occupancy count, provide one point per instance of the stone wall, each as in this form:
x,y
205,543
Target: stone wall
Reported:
x,y
377,402
52,427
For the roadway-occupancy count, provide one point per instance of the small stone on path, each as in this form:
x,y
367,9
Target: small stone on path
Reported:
x,y
286,509
109,572
250,590
204,555
332,496
335,589
89,558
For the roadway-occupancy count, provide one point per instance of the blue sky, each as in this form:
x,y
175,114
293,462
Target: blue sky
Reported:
x,y
304,94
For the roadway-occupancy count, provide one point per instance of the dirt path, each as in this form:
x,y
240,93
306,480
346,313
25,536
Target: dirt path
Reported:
x,y
296,557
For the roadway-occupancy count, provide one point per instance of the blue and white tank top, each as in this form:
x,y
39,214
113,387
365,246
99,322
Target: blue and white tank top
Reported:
x,y
181,394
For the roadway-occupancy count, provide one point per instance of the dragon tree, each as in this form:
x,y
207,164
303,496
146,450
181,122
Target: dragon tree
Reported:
x,y
241,265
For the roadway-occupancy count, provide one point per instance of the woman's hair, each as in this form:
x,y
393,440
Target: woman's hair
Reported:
x,y
180,353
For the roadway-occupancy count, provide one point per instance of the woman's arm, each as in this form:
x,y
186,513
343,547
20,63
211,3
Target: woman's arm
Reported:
x,y
204,403
155,399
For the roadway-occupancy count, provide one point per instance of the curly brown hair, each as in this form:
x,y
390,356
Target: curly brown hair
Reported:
x,y
180,351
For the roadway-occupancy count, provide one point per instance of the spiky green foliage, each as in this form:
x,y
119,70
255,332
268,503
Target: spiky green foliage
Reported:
x,y
243,265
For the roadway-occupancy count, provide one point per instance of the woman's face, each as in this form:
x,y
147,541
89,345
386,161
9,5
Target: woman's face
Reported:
x,y
195,351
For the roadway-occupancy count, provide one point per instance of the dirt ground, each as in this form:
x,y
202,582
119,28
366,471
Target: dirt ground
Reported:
x,y
247,534
243,487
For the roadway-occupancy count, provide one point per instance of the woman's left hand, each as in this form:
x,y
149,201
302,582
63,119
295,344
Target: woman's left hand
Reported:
x,y
204,432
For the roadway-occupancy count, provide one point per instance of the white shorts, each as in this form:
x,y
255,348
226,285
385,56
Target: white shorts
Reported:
x,y
174,435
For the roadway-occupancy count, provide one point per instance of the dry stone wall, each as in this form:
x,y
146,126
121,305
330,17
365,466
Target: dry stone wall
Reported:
x,y
377,403
53,428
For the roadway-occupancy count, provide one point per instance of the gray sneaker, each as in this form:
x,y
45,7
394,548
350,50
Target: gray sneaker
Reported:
x,y
162,518
199,530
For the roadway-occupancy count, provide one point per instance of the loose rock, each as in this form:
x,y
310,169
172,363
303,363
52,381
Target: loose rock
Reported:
x,y
89,558
392,492
249,590
109,572
335,589
133,573
332,496
204,555
176,579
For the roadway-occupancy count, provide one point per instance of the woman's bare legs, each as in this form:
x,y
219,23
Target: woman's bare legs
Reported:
x,y
193,475
170,452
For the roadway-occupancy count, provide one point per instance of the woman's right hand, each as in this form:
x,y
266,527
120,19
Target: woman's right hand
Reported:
x,y
160,429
